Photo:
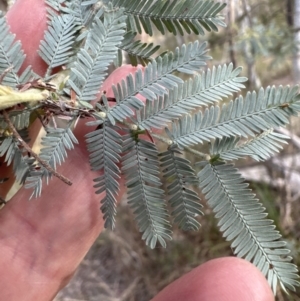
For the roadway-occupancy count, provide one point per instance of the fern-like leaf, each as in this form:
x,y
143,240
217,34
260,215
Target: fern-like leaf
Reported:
x,y
260,148
242,117
54,7
55,4
11,56
13,152
105,147
184,201
175,16
242,219
19,118
140,165
137,51
211,86
57,46
54,151
82,10
100,49
156,79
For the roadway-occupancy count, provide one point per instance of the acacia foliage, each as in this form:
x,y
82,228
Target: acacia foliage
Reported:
x,y
85,39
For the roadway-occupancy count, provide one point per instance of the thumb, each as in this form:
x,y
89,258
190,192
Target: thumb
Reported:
x,y
221,279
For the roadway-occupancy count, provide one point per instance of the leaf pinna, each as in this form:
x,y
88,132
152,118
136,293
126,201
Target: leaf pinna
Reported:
x,y
155,117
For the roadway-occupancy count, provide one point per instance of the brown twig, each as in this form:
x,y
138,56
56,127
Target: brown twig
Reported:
x,y
33,154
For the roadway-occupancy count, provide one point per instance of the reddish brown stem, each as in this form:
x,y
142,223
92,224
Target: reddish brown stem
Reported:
x,y
33,154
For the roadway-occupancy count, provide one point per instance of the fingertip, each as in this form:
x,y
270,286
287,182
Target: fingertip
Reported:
x,y
222,279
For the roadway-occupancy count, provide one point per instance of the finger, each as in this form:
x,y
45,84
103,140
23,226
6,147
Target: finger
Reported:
x,y
222,279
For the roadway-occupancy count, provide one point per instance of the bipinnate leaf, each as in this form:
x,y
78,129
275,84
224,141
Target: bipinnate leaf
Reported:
x,y
184,201
242,219
105,147
269,108
176,17
145,196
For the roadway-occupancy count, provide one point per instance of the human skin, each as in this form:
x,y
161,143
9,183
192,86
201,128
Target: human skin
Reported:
x,y
43,241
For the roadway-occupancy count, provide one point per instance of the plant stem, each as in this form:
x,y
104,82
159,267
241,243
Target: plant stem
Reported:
x,y
198,154
33,154
161,138
188,149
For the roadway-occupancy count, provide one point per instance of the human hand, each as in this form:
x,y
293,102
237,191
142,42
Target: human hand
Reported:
x,y
43,241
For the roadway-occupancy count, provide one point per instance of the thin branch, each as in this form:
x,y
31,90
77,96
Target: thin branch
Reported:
x,y
187,149
198,154
162,139
34,155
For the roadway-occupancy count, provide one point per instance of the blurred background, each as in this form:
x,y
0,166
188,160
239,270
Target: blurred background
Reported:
x,y
262,36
